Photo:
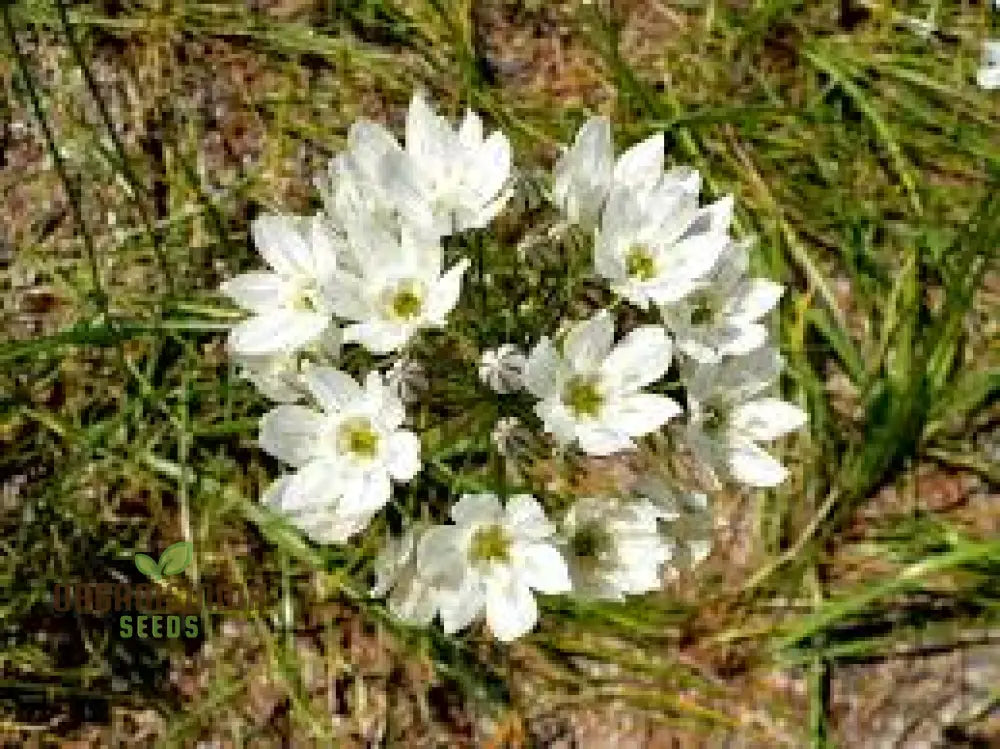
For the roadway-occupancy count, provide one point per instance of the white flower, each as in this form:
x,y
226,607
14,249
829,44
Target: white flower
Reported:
x,y
652,242
989,74
501,368
728,417
463,175
372,185
587,174
446,179
412,598
613,548
654,246
394,289
276,376
590,392
722,316
491,560
345,455
288,303
583,173
687,516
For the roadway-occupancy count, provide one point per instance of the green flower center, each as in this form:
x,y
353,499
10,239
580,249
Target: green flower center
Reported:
x,y
711,419
589,542
405,301
357,437
639,263
490,544
703,310
406,304
583,396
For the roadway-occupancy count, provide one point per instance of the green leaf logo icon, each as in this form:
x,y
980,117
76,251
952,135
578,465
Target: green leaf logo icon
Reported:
x,y
147,566
174,559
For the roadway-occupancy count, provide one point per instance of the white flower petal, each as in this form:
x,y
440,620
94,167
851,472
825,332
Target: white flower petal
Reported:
x,y
289,433
390,410
309,500
742,339
751,465
276,377
526,518
258,291
642,165
690,259
461,605
369,143
642,357
443,296
402,456
426,134
988,77
441,556
414,602
325,246
344,293
557,419
683,178
766,419
397,552
470,132
279,241
543,370
334,528
597,439
583,174
641,413
589,341
486,180
477,508
377,336
511,610
720,214
364,491
755,297
313,492
331,388
542,567
277,332
275,494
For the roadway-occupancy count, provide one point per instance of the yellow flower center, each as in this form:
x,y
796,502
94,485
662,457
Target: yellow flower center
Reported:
x,y
639,263
583,396
357,438
406,304
490,544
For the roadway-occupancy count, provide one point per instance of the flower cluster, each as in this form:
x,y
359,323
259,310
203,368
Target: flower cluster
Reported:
x,y
683,327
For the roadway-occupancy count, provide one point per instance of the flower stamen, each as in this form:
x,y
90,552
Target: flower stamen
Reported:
x,y
639,263
490,544
356,437
583,396
589,543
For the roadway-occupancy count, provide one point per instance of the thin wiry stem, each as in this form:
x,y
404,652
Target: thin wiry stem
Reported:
x,y
71,187
126,167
